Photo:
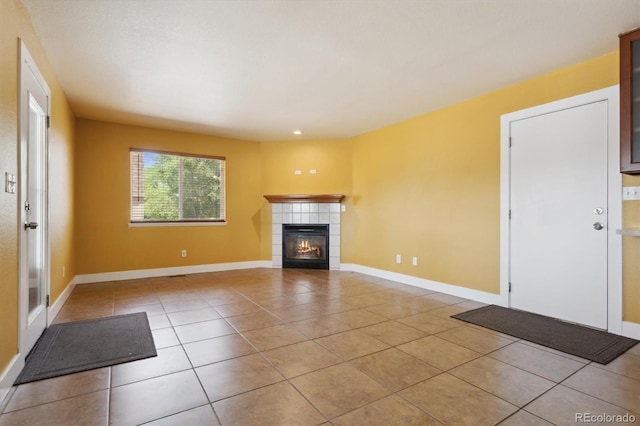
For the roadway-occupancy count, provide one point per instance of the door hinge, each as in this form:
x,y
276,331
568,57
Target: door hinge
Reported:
x,y
509,214
510,141
509,287
47,301
48,121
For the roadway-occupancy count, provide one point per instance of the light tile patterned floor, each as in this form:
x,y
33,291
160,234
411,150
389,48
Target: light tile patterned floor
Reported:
x,y
296,347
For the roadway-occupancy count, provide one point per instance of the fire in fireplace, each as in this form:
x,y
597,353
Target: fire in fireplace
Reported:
x,y
305,246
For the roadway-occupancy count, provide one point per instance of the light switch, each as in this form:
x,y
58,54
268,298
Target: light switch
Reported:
x,y
298,172
10,182
631,193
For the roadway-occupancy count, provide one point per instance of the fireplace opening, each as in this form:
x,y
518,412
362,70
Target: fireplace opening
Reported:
x,y
305,246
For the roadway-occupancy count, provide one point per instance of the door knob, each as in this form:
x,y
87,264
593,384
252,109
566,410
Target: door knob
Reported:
x,y
598,226
30,225
598,210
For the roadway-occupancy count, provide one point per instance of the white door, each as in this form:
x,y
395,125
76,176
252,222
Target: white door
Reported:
x,y
34,105
558,227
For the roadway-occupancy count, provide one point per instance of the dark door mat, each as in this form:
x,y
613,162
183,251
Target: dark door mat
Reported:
x,y
594,345
84,345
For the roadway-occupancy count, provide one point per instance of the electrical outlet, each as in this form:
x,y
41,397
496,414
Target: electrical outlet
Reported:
x,y
297,172
398,258
414,261
184,253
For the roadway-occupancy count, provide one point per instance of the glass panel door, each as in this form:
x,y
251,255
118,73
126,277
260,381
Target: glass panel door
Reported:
x,y
34,204
33,240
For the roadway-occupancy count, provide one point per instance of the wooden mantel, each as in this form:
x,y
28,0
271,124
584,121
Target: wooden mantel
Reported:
x,y
305,198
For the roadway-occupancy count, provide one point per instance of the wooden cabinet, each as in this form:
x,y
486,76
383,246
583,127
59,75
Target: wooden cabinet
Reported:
x,y
630,102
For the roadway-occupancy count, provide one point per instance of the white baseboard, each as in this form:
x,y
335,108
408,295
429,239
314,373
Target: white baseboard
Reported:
x,y
54,309
631,329
163,272
9,376
347,267
454,290
13,369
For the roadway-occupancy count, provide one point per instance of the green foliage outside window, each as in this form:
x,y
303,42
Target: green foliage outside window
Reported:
x,y
170,187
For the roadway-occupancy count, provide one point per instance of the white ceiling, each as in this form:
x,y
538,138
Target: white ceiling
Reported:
x,y
258,69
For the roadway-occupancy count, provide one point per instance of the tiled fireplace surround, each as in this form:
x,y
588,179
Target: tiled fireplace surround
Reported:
x,y
306,212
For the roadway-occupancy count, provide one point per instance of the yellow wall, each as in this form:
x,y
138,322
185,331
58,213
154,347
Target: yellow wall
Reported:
x,y
106,243
62,213
331,158
430,186
432,182
14,24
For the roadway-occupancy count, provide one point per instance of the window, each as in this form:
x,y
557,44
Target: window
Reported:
x,y
171,187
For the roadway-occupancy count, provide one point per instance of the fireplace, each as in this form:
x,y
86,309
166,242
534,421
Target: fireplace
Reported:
x,y
305,246
305,210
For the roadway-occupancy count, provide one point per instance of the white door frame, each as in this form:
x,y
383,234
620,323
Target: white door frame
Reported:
x,y
28,65
614,194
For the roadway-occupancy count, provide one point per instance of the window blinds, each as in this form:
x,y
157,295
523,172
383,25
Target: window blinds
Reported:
x,y
174,187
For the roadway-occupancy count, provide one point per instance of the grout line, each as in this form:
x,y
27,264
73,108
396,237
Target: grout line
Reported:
x,y
244,287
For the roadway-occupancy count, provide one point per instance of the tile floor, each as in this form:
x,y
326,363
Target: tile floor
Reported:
x,y
289,347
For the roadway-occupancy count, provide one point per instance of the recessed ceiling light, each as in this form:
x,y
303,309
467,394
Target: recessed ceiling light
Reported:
x,y
297,132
